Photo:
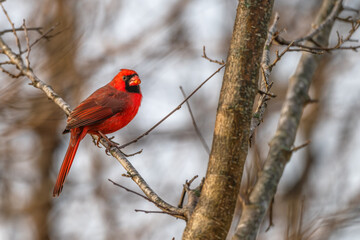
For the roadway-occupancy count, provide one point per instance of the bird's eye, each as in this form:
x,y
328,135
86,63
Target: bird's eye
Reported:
x,y
124,78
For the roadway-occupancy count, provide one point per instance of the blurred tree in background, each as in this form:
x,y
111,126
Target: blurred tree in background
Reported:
x,y
318,195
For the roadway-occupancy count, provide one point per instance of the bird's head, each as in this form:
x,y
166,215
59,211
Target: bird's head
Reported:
x,y
126,80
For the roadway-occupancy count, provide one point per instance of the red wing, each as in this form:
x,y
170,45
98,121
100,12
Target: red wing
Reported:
x,y
99,106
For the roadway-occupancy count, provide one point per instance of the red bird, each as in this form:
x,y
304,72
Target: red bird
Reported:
x,y
107,110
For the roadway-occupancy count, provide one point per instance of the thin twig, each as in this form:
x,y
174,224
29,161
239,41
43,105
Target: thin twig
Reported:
x,y
279,56
144,197
265,84
12,27
294,149
198,133
348,19
143,185
222,62
304,48
355,24
267,93
147,211
316,48
35,81
38,29
175,109
183,193
44,35
28,46
6,62
265,63
10,74
132,191
271,223
345,8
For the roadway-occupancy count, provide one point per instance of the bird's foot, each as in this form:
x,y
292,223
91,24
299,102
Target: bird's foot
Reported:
x,y
109,142
110,145
113,144
107,150
97,141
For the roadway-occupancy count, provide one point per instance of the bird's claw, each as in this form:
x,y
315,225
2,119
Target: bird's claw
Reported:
x,y
109,142
97,142
113,144
110,145
107,151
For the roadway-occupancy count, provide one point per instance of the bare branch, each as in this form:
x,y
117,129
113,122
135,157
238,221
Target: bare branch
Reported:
x,y
193,197
137,178
265,84
129,190
37,29
345,8
46,35
10,74
355,24
147,211
198,133
296,45
222,62
279,56
187,184
35,81
12,27
175,214
28,46
294,149
6,62
329,20
271,223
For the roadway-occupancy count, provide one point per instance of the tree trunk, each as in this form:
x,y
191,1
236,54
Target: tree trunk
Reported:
x,y
213,214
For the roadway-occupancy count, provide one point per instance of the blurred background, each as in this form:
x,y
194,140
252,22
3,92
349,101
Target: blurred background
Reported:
x,y
318,196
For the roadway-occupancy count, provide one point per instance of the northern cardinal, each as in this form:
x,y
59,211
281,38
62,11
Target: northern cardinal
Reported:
x,y
107,110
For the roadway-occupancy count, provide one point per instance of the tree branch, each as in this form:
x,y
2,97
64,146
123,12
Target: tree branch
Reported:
x,y
35,81
197,130
281,144
265,84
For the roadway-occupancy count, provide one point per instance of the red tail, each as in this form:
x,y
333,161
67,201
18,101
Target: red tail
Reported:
x,y
76,136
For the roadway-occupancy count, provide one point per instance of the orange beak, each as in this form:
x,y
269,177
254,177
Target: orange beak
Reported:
x,y
134,81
